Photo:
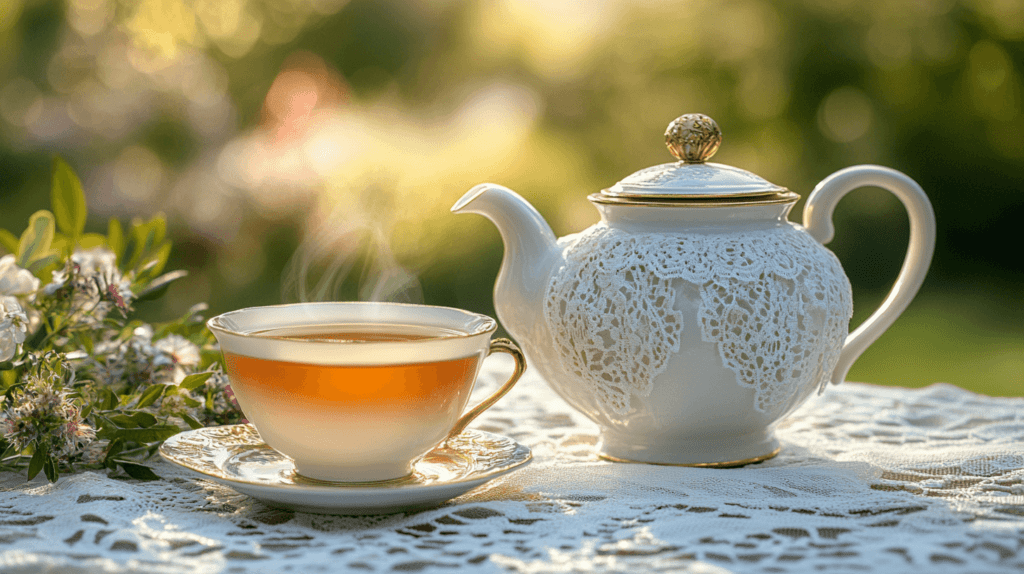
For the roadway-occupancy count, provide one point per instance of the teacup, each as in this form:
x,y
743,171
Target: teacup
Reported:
x,y
357,392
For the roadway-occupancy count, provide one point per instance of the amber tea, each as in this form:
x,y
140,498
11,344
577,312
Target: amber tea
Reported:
x,y
413,387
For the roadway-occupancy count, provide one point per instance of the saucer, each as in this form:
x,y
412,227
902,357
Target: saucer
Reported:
x,y
236,456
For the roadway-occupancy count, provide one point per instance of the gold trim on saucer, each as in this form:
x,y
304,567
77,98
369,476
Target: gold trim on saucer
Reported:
x,y
235,454
725,464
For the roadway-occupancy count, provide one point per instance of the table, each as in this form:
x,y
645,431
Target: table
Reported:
x,y
870,479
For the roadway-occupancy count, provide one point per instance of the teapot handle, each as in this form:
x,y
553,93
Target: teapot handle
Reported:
x,y
818,222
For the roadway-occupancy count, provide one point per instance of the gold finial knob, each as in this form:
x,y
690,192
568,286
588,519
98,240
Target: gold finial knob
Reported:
x,y
693,138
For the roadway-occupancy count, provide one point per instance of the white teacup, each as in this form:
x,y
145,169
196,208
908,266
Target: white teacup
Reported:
x,y
357,392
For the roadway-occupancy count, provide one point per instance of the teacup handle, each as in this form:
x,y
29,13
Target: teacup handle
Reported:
x,y
818,222
501,346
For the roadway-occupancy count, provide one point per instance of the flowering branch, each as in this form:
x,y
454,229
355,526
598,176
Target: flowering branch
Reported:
x,y
82,384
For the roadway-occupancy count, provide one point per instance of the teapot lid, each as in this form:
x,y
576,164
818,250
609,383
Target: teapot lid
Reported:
x,y
693,139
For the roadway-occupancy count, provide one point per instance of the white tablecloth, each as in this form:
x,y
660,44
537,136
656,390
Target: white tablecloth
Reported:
x,y
870,479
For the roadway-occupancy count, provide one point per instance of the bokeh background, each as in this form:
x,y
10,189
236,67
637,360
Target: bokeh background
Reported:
x,y
311,149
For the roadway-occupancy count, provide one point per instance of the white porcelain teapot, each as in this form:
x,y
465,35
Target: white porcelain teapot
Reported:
x,y
694,316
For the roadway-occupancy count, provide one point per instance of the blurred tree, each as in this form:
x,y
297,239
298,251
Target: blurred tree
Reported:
x,y
257,125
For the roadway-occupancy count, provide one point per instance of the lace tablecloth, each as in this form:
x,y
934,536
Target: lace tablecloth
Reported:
x,y
870,479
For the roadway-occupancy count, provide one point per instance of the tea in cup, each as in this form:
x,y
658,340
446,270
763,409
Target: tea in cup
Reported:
x,y
357,392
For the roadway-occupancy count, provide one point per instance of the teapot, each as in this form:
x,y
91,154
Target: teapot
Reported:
x,y
694,316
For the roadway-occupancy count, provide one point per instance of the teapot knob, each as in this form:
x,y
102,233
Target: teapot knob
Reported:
x,y
693,138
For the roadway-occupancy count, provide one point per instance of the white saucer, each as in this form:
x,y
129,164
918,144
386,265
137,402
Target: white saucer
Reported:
x,y
236,456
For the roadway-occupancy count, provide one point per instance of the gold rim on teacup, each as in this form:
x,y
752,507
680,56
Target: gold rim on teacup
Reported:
x,y
221,322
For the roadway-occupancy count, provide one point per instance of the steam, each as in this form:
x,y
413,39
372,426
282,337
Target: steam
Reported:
x,y
348,255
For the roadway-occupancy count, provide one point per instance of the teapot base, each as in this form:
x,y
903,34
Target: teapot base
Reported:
x,y
706,453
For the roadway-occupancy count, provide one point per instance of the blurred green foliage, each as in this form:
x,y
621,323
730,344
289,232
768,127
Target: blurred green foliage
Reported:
x,y
416,101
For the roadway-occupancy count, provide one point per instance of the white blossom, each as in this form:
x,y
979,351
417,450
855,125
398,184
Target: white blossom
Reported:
x,y
97,285
59,278
142,344
13,326
14,321
96,261
143,333
42,413
14,280
8,343
182,352
173,404
136,359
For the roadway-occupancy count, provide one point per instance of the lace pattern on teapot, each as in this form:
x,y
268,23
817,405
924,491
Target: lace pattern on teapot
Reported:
x,y
777,304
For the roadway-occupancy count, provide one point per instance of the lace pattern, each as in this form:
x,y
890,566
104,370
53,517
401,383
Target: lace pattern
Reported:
x,y
776,302
870,479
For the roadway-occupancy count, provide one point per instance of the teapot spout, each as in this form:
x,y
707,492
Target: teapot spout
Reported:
x,y
531,253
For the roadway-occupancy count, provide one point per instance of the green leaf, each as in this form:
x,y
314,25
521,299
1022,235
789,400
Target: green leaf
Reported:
x,y
124,421
60,248
50,469
115,238
67,199
36,464
193,382
61,244
145,238
43,262
158,286
152,434
159,226
113,449
137,471
90,240
143,419
35,241
86,411
160,260
9,241
207,357
192,423
156,263
85,339
107,400
150,395
104,427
